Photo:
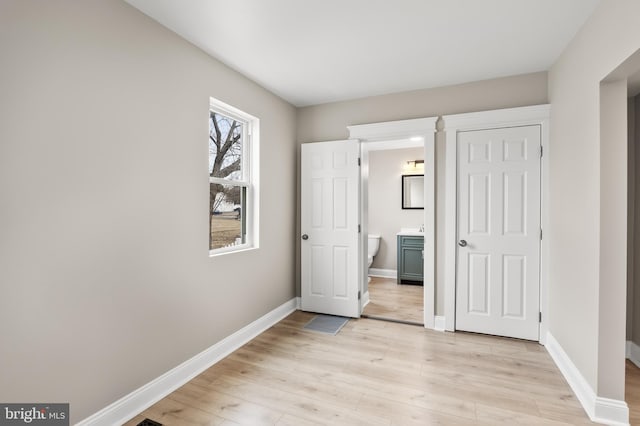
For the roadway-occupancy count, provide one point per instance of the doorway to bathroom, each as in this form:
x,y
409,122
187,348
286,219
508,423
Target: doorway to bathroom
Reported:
x,y
412,144
330,286
395,239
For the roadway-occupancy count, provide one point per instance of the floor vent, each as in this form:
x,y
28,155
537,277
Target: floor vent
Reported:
x,y
149,422
326,324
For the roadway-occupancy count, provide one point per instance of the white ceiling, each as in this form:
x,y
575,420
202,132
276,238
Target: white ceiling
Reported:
x,y
316,51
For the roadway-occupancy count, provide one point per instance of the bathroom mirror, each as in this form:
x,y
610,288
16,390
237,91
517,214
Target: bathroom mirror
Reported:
x,y
413,191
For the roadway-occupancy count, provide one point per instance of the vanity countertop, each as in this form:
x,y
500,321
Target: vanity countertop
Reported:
x,y
414,232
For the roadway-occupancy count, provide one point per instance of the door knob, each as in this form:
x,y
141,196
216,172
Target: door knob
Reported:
x,y
462,243
305,237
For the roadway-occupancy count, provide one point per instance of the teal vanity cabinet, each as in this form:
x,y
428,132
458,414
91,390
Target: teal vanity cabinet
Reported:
x,y
410,259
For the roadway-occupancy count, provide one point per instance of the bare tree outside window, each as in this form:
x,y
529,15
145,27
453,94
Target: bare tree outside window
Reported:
x,y
227,189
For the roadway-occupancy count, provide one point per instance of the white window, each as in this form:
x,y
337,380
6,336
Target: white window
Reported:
x,y
233,176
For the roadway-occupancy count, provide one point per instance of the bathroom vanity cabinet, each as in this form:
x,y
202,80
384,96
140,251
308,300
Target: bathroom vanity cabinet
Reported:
x,y
410,259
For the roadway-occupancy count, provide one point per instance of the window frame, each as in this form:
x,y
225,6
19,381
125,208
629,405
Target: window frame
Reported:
x,y
249,179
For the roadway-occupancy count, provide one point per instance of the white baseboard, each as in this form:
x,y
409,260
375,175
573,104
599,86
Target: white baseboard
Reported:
x,y
140,399
365,299
384,273
600,410
633,353
611,412
438,323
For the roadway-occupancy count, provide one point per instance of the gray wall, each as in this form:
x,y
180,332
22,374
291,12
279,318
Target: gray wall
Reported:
x,y
613,239
386,215
633,243
588,198
634,120
631,208
105,278
329,121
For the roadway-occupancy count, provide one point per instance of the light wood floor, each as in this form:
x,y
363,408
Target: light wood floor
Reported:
x,y
632,392
374,373
387,299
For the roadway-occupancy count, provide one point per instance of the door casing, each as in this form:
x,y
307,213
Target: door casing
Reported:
x,y
421,129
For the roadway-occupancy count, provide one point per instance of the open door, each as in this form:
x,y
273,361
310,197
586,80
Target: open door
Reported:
x,y
330,194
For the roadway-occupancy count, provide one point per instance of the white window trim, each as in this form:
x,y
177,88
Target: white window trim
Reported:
x,y
251,175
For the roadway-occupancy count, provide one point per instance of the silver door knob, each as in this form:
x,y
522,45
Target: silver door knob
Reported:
x,y
462,243
305,237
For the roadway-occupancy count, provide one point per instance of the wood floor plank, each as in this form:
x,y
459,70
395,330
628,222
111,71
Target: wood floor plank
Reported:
x,y
488,415
224,406
289,420
374,373
565,410
298,403
632,392
134,421
407,414
401,302
170,412
292,381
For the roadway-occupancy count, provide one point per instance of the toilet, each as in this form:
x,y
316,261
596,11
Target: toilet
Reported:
x,y
372,248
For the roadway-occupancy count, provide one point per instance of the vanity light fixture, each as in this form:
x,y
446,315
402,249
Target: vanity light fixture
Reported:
x,y
414,166
414,163
416,138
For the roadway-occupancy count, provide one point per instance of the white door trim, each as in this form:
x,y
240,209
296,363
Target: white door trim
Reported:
x,y
393,132
524,116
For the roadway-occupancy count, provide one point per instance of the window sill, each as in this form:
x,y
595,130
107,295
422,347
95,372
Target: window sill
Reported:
x,y
230,250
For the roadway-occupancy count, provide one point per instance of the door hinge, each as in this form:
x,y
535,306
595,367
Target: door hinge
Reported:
x,y
540,234
358,161
540,151
358,294
539,316
358,229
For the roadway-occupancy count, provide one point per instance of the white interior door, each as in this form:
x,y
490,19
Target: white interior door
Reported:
x,y
329,224
498,260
